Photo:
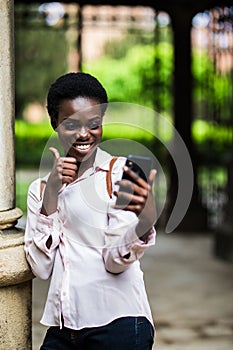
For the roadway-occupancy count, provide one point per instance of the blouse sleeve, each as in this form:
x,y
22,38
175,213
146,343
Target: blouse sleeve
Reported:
x,y
122,245
39,228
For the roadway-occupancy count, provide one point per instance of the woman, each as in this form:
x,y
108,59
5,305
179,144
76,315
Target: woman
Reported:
x,y
77,235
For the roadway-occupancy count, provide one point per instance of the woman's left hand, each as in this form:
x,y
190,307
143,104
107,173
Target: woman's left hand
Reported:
x,y
137,196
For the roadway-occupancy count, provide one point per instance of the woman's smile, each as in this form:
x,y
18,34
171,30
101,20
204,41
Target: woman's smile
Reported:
x,y
82,148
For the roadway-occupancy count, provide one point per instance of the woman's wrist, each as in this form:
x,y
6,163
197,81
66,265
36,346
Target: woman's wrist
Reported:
x,y
143,231
49,204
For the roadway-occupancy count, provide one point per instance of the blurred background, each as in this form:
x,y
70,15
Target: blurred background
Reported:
x,y
179,64
172,57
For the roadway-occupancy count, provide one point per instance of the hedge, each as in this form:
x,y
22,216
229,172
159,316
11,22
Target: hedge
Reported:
x,y
31,141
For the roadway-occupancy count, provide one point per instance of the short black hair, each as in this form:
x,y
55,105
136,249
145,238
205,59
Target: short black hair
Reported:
x,y
70,86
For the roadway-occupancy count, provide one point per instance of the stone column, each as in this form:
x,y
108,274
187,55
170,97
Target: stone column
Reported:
x,y
15,275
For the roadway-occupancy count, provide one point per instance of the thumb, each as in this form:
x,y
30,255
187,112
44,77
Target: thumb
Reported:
x,y
55,152
152,176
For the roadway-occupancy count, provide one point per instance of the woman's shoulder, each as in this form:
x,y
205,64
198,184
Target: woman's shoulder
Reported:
x,y
114,161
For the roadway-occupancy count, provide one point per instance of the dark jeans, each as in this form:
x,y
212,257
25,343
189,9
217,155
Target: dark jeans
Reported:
x,y
127,333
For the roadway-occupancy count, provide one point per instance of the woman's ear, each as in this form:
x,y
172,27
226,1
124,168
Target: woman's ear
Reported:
x,y
53,122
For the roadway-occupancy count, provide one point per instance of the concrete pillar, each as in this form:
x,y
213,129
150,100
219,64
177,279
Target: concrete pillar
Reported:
x,y
15,275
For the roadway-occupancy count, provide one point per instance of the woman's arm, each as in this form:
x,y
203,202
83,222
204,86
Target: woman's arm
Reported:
x,y
131,228
122,245
140,198
39,230
42,234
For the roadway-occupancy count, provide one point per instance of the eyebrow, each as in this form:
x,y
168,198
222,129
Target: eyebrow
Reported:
x,y
91,118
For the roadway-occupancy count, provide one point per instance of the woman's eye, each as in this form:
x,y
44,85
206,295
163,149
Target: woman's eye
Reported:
x,y
69,125
94,124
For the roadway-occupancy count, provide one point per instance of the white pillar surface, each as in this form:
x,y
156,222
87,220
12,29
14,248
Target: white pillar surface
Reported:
x,y
15,275
8,213
7,173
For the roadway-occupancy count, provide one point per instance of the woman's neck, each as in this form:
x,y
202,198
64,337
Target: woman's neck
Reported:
x,y
85,165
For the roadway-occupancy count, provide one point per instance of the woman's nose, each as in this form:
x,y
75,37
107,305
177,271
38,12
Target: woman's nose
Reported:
x,y
82,132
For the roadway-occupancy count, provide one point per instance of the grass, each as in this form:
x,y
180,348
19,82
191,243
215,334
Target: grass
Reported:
x,y
23,179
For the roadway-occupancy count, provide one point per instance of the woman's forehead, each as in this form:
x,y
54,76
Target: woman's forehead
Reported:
x,y
80,107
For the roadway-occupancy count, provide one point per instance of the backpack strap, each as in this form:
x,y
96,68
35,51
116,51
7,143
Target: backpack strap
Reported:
x,y
108,176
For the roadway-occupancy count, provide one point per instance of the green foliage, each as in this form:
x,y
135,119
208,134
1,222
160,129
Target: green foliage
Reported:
x,y
21,193
134,71
134,77
212,91
212,129
30,141
118,48
212,136
127,132
41,56
24,129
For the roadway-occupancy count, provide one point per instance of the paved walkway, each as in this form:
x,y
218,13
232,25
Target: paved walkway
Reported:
x,y
190,292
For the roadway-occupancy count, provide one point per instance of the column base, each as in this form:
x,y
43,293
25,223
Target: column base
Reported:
x,y
9,218
15,323
15,292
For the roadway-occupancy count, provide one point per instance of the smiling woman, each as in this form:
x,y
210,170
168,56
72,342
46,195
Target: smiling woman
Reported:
x,y
80,128
78,236
76,112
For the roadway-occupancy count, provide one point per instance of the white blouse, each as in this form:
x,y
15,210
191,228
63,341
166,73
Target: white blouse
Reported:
x,y
93,261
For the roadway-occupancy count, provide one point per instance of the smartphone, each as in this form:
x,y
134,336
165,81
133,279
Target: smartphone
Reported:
x,y
141,166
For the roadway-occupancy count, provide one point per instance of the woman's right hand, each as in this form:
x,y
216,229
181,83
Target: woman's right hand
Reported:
x,y
63,171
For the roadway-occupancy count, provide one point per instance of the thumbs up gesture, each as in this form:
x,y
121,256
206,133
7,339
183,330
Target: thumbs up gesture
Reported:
x,y
63,171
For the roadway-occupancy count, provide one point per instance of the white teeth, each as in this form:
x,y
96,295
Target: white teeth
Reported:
x,y
83,147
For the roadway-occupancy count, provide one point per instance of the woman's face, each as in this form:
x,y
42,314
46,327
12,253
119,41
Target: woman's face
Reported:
x,y
80,127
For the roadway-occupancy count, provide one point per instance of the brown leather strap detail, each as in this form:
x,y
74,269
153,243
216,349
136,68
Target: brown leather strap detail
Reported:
x,y
42,186
108,176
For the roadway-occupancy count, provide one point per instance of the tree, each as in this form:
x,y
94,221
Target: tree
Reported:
x,y
40,57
